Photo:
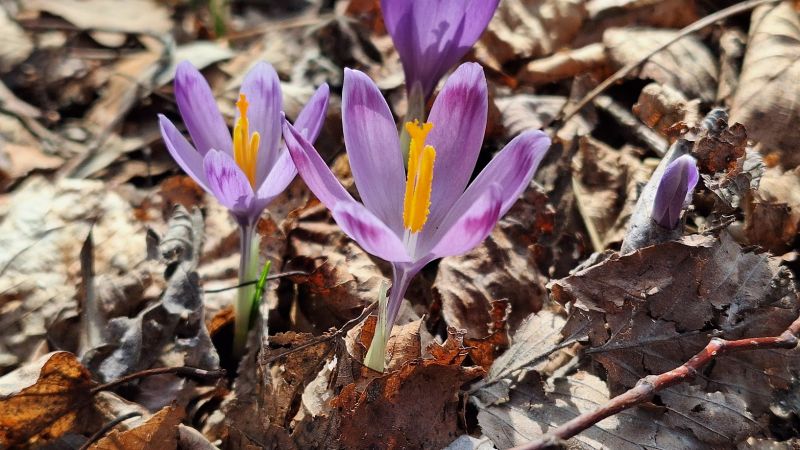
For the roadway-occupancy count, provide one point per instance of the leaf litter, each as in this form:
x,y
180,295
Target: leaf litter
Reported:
x,y
107,255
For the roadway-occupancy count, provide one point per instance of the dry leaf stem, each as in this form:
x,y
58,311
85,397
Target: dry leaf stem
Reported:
x,y
628,68
181,371
107,427
650,385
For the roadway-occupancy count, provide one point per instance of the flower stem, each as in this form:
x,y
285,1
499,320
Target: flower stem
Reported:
x,y
416,111
248,265
387,314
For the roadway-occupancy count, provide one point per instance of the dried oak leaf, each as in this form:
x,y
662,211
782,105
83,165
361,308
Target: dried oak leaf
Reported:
x,y
530,28
766,100
159,431
501,267
666,110
415,406
686,65
485,350
534,408
772,214
42,400
651,310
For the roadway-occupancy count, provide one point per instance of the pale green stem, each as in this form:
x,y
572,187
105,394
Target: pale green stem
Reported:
x,y
416,111
248,267
376,355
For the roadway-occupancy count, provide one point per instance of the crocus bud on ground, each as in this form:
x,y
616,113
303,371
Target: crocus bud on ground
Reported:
x,y
674,191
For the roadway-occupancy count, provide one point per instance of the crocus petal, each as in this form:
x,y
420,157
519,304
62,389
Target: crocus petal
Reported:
x,y
313,170
511,169
370,232
228,183
459,121
182,152
277,180
472,226
262,89
373,148
674,188
431,36
199,110
312,116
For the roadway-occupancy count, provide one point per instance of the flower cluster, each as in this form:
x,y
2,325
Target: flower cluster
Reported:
x,y
417,202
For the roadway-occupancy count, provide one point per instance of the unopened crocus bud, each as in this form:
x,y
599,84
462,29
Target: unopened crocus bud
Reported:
x,y
675,191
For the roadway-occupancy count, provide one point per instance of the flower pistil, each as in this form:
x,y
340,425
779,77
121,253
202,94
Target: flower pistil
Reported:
x,y
245,145
417,200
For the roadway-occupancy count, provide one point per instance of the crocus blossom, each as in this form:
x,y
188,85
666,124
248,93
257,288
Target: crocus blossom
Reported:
x,y
675,191
246,169
432,35
410,219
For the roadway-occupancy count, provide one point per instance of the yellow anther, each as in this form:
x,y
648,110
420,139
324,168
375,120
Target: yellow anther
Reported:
x,y
245,145
416,203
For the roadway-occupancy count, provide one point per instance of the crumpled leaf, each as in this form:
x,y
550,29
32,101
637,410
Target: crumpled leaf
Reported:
x,y
682,292
765,100
42,400
531,28
159,431
772,214
485,350
501,267
667,110
686,65
534,408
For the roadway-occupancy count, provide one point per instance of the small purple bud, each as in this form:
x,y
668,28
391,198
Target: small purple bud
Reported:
x,y
675,191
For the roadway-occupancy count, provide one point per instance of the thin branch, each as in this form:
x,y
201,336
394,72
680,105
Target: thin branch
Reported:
x,y
650,385
181,371
276,276
628,68
328,337
107,427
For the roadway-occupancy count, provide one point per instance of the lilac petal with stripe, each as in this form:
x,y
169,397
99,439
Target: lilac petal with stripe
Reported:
x,y
431,36
262,89
199,110
511,169
229,184
373,148
674,190
459,121
472,226
182,152
313,170
282,173
312,116
369,232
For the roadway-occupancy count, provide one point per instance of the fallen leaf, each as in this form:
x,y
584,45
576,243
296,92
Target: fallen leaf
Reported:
x,y
42,400
686,65
134,16
485,350
666,110
159,431
762,102
772,216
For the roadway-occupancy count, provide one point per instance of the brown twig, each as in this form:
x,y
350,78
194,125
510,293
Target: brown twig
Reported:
x,y
107,427
328,337
628,68
181,371
650,385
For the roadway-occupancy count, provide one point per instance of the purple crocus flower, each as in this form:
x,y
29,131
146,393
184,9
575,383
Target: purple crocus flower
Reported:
x,y
432,35
410,219
675,191
247,170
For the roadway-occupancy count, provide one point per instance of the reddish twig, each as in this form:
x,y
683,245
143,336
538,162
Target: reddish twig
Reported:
x,y
107,427
648,386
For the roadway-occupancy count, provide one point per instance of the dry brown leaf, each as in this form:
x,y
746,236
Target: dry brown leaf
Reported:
x,y
667,110
17,46
566,64
772,216
531,28
159,431
485,350
606,184
604,14
501,267
535,408
658,319
766,101
42,400
686,65
109,16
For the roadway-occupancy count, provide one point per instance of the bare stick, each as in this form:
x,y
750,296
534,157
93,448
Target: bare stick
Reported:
x,y
107,427
276,276
694,27
182,371
648,386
